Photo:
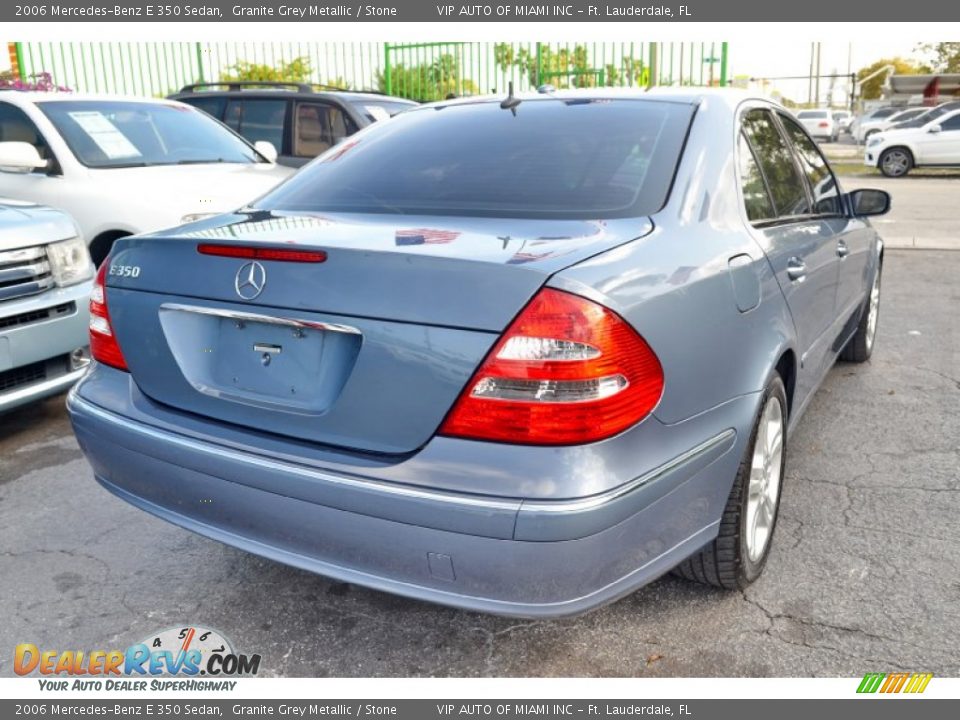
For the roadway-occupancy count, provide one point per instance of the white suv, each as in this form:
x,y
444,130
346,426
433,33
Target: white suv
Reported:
x,y
820,124
936,144
45,282
122,166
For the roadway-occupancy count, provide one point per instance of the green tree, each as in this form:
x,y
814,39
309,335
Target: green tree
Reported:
x,y
567,68
428,81
297,70
946,56
871,89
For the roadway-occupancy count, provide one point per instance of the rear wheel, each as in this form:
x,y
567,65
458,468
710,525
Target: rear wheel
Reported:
x,y
739,553
860,347
896,162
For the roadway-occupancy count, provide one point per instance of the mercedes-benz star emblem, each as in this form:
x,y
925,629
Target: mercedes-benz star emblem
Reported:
x,y
250,280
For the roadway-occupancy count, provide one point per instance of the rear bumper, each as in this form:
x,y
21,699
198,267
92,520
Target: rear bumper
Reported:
x,y
502,555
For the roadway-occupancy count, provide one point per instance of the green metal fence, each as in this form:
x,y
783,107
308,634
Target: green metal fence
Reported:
x,y
421,71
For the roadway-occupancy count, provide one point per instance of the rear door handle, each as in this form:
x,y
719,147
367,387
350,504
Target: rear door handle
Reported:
x,y
842,249
796,269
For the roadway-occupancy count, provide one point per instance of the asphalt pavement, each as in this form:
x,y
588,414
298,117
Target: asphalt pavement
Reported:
x,y
863,574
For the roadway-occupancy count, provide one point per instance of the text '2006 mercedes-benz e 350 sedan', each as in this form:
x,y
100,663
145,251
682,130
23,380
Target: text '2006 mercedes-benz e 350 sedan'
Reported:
x,y
517,355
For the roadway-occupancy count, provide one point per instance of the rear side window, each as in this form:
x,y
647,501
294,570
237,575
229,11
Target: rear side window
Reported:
x,y
755,196
318,127
812,114
578,159
210,105
776,161
258,120
826,194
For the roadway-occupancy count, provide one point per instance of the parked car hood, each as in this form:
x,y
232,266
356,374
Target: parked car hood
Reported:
x,y
23,224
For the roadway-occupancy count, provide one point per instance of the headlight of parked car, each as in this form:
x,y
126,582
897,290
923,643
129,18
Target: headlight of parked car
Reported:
x,y
874,141
70,261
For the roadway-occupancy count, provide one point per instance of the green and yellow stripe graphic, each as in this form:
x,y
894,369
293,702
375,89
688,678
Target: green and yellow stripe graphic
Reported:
x,y
894,682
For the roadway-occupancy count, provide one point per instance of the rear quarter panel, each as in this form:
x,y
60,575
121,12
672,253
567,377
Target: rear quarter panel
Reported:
x,y
675,286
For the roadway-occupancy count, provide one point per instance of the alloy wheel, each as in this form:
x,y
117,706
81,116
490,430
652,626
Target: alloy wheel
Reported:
x,y
763,494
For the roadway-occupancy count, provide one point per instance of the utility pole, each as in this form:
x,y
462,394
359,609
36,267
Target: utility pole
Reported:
x,y
810,81
818,76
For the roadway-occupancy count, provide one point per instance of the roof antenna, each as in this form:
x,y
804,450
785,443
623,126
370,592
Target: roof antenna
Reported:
x,y
511,101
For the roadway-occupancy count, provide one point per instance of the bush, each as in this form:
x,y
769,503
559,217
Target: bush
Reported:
x,y
38,82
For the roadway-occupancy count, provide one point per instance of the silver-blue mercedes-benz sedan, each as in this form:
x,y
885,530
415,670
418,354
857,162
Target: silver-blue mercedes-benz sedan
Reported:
x,y
520,355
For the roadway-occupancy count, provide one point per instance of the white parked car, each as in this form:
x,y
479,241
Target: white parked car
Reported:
x,y
122,166
936,144
870,120
820,124
45,282
843,119
898,117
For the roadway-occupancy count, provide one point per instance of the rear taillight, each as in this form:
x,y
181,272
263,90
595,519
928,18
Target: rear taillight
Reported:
x,y
824,123
103,343
567,371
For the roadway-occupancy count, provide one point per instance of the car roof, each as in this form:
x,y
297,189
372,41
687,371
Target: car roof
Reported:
x,y
31,96
730,97
269,89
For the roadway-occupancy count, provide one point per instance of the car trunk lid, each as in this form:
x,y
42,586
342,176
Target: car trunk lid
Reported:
x,y
366,350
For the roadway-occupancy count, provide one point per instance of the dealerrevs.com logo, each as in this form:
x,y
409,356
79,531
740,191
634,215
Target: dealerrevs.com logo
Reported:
x,y
180,652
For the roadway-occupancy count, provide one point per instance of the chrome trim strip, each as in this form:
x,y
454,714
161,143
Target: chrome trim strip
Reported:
x,y
22,255
254,317
47,386
26,273
75,402
595,501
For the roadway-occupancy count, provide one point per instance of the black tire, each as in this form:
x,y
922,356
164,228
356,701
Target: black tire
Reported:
x,y
860,347
895,169
725,562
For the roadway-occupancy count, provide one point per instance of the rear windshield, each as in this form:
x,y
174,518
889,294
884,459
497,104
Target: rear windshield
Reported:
x,y
808,114
582,159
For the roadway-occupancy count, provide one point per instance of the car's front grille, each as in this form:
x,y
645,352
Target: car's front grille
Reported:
x,y
25,271
18,377
37,315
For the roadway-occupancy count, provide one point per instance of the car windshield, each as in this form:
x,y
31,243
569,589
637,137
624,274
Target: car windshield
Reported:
x,y
574,158
882,113
811,114
116,134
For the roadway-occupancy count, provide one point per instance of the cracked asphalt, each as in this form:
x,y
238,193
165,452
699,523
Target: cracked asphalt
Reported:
x,y
864,574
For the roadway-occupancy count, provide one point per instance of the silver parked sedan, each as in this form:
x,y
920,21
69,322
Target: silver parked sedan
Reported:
x,y
521,355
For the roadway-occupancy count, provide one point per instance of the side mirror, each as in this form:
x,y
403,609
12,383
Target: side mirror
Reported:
x,y
267,150
934,129
867,203
19,157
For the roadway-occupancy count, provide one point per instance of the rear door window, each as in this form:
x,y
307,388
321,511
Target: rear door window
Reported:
x,y
258,119
318,127
210,105
775,158
823,185
756,197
